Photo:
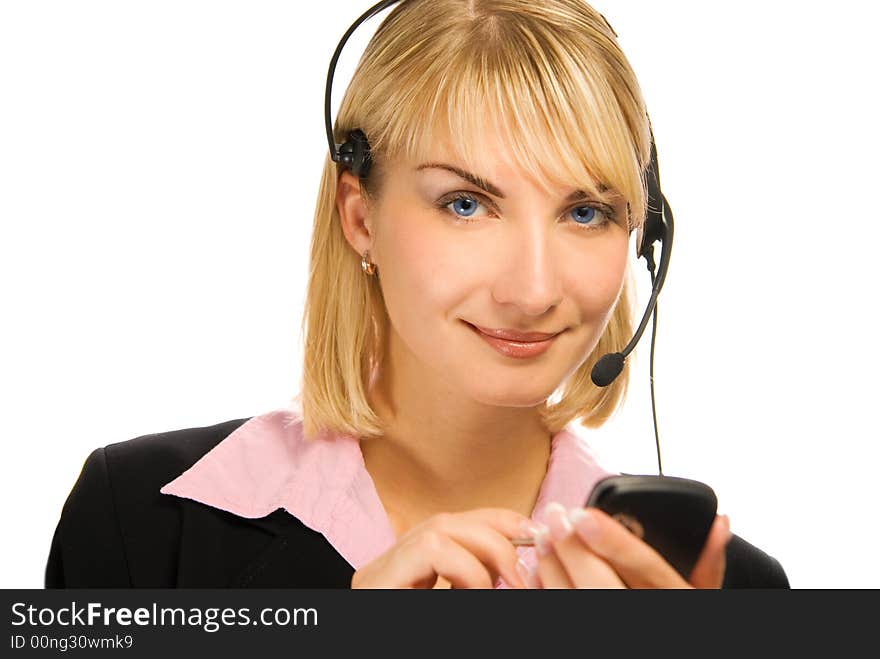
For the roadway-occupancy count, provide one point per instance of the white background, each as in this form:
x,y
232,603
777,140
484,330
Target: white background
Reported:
x,y
159,164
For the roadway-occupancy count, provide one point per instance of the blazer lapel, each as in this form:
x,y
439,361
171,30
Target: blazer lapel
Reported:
x,y
275,551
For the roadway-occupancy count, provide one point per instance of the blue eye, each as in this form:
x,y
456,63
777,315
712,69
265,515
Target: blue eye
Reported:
x,y
464,206
583,214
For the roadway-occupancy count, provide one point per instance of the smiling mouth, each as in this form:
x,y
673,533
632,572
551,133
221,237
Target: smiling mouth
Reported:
x,y
514,336
518,350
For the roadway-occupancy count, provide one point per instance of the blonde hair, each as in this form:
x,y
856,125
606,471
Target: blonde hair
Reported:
x,y
570,108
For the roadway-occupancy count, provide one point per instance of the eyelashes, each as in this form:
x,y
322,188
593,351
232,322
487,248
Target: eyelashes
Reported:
x,y
467,201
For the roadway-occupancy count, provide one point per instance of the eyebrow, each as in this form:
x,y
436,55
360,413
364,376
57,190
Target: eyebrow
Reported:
x,y
486,186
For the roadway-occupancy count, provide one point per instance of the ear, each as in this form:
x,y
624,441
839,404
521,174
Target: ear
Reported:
x,y
353,213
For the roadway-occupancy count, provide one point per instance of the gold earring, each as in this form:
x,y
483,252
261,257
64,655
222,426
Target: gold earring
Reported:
x,y
366,265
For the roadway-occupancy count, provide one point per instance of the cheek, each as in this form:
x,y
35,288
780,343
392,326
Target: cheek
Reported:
x,y
420,271
597,282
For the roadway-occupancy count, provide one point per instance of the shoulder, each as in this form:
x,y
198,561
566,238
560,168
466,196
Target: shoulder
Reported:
x,y
156,458
115,505
135,469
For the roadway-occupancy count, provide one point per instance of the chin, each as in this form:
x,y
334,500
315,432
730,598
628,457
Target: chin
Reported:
x,y
519,399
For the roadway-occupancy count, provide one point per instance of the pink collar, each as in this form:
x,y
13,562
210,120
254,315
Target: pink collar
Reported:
x,y
266,464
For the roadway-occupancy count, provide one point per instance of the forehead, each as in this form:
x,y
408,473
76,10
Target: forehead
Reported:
x,y
485,153
488,151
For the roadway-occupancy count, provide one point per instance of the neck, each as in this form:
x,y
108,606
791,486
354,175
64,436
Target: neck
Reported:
x,y
442,453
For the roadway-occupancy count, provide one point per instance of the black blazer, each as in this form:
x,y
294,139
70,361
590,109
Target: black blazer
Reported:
x,y
117,531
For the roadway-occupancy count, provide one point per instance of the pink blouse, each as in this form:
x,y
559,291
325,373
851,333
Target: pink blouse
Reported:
x,y
266,464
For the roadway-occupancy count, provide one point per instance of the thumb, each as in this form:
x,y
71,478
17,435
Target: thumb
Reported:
x,y
709,569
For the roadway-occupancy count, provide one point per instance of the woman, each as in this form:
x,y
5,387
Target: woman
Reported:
x,y
460,291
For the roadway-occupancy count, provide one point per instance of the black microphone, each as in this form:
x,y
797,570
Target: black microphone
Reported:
x,y
608,368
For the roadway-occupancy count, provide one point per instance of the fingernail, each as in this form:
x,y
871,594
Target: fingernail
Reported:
x,y
542,514
542,542
527,574
584,523
557,521
727,526
528,528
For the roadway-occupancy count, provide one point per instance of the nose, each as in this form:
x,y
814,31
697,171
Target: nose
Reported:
x,y
529,276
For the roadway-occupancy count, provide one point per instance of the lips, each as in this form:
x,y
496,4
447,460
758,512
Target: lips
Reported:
x,y
516,349
514,335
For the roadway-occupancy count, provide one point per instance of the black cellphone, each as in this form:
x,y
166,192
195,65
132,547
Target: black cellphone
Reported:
x,y
672,515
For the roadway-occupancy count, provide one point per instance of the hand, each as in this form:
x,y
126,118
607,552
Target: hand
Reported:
x,y
586,548
470,549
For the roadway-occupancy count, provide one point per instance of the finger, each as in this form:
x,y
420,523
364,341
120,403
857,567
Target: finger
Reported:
x,y
709,569
638,564
437,555
507,522
550,569
475,533
584,568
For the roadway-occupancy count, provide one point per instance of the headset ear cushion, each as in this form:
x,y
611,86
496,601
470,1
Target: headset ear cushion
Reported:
x,y
355,153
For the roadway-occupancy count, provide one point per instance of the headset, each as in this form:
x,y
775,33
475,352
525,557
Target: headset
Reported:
x,y
354,155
